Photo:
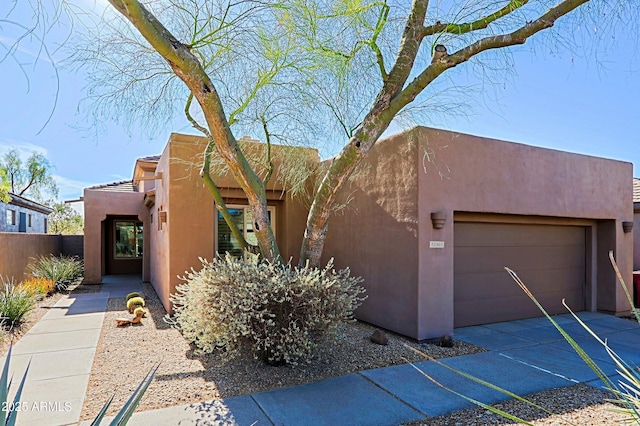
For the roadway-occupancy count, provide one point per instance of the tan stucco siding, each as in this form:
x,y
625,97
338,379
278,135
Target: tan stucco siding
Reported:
x,y
386,229
98,204
376,235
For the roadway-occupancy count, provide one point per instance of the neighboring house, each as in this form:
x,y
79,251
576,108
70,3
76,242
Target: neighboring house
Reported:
x,y
636,221
23,215
432,219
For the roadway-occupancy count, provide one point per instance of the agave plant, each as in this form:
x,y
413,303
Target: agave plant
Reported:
x,y
121,419
129,407
9,416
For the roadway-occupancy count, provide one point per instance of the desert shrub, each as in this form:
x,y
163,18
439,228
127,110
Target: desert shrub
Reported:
x,y
135,302
277,312
15,303
62,270
37,287
132,295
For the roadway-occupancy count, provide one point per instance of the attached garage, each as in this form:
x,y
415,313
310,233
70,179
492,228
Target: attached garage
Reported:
x,y
550,260
435,216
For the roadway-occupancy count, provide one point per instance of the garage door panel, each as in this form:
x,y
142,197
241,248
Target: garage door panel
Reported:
x,y
483,311
497,284
497,234
550,260
483,259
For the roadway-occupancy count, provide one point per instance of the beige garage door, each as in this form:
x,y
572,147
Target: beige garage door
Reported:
x,y
549,259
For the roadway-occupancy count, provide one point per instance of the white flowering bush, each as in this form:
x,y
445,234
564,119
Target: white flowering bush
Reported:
x,y
276,311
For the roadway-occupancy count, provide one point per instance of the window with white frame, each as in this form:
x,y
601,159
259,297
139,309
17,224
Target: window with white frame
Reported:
x,y
242,217
29,220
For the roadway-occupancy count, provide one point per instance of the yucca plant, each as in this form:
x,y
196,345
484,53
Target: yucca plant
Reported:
x,y
62,270
15,303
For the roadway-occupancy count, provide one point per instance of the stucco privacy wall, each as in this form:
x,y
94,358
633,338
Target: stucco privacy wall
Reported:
x,y
409,176
98,204
17,248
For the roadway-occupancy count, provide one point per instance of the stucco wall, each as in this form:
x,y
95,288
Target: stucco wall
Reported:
x,y
189,230
17,248
98,204
376,235
384,235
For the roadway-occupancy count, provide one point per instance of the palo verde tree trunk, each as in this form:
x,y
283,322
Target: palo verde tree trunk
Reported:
x,y
189,69
396,93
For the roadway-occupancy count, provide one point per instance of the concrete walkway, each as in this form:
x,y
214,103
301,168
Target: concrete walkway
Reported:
x,y
61,347
525,356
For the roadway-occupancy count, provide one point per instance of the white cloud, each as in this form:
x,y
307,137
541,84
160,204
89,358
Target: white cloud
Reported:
x,y
24,148
69,189
16,46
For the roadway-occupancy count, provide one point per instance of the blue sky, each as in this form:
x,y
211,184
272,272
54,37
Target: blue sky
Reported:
x,y
565,102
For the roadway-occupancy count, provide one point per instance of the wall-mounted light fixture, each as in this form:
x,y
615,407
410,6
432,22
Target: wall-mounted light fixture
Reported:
x,y
438,219
627,226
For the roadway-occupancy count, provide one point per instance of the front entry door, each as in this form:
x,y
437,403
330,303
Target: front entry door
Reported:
x,y
22,225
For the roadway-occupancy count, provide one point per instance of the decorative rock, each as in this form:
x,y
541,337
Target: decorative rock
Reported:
x,y
446,341
123,322
379,337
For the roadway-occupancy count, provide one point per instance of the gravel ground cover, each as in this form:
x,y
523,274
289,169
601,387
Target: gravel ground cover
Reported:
x,y
124,355
574,405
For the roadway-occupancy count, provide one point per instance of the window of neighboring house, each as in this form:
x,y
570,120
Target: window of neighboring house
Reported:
x,y
128,240
46,225
242,217
11,217
29,220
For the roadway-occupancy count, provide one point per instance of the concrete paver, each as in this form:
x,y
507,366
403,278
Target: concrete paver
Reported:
x,y
350,399
75,323
560,362
48,365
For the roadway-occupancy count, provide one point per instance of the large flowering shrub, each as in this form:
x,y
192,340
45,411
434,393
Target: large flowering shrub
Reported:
x,y
275,311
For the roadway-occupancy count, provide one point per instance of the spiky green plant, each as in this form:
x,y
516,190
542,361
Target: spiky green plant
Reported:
x,y
9,416
15,303
62,270
130,406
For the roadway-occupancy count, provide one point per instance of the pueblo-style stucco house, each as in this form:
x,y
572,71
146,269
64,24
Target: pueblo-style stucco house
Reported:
x,y
433,218
21,214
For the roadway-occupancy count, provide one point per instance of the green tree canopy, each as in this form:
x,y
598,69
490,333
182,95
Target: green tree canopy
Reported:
x,y
31,178
65,220
338,71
